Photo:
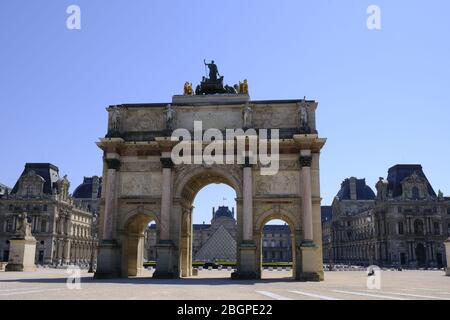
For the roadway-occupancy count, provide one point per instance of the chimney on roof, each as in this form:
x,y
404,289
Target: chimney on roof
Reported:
x,y
353,195
213,212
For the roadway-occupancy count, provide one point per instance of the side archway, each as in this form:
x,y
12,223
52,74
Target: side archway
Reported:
x,y
133,241
278,213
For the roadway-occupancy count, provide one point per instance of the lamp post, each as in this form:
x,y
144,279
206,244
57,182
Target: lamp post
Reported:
x,y
94,242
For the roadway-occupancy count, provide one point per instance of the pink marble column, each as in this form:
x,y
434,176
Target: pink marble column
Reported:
x,y
247,203
305,164
166,198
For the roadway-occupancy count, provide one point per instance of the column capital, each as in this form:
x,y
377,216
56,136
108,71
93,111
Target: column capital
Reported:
x,y
113,163
167,163
305,161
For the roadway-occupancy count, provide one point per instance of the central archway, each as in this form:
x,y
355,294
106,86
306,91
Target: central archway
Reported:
x,y
188,186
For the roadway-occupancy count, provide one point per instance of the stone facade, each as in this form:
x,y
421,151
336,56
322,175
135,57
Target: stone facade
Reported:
x,y
141,184
217,241
404,225
63,231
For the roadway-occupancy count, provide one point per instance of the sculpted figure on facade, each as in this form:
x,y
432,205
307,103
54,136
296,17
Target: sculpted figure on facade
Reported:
x,y
243,87
188,88
382,187
247,115
115,120
303,115
169,114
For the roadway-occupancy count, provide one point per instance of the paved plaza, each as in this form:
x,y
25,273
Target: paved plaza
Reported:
x,y
348,285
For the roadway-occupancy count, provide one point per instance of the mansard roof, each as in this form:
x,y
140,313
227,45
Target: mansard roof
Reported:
x,y
48,171
363,191
84,190
223,211
399,172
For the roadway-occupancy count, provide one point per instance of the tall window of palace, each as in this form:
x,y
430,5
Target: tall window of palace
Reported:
x,y
418,227
43,226
437,229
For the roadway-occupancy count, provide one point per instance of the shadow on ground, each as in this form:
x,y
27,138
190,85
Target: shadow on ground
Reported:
x,y
148,280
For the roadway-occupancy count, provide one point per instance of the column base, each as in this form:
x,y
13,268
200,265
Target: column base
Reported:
x,y
19,267
311,264
247,268
447,272
107,260
164,265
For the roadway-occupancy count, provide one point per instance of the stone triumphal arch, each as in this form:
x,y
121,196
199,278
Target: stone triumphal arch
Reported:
x,y
142,183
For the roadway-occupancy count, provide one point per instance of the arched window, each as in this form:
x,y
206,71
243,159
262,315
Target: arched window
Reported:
x,y
415,193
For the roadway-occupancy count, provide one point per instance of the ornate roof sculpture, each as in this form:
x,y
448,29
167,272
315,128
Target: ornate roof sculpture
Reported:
x,y
212,83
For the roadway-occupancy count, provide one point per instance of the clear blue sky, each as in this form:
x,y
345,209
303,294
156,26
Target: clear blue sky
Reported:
x,y
383,95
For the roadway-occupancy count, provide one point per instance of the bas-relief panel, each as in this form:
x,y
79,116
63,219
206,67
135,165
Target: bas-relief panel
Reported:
x,y
283,183
220,119
144,120
279,117
141,184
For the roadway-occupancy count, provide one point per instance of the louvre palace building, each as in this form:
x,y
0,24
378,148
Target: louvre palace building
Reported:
x,y
403,224
63,225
